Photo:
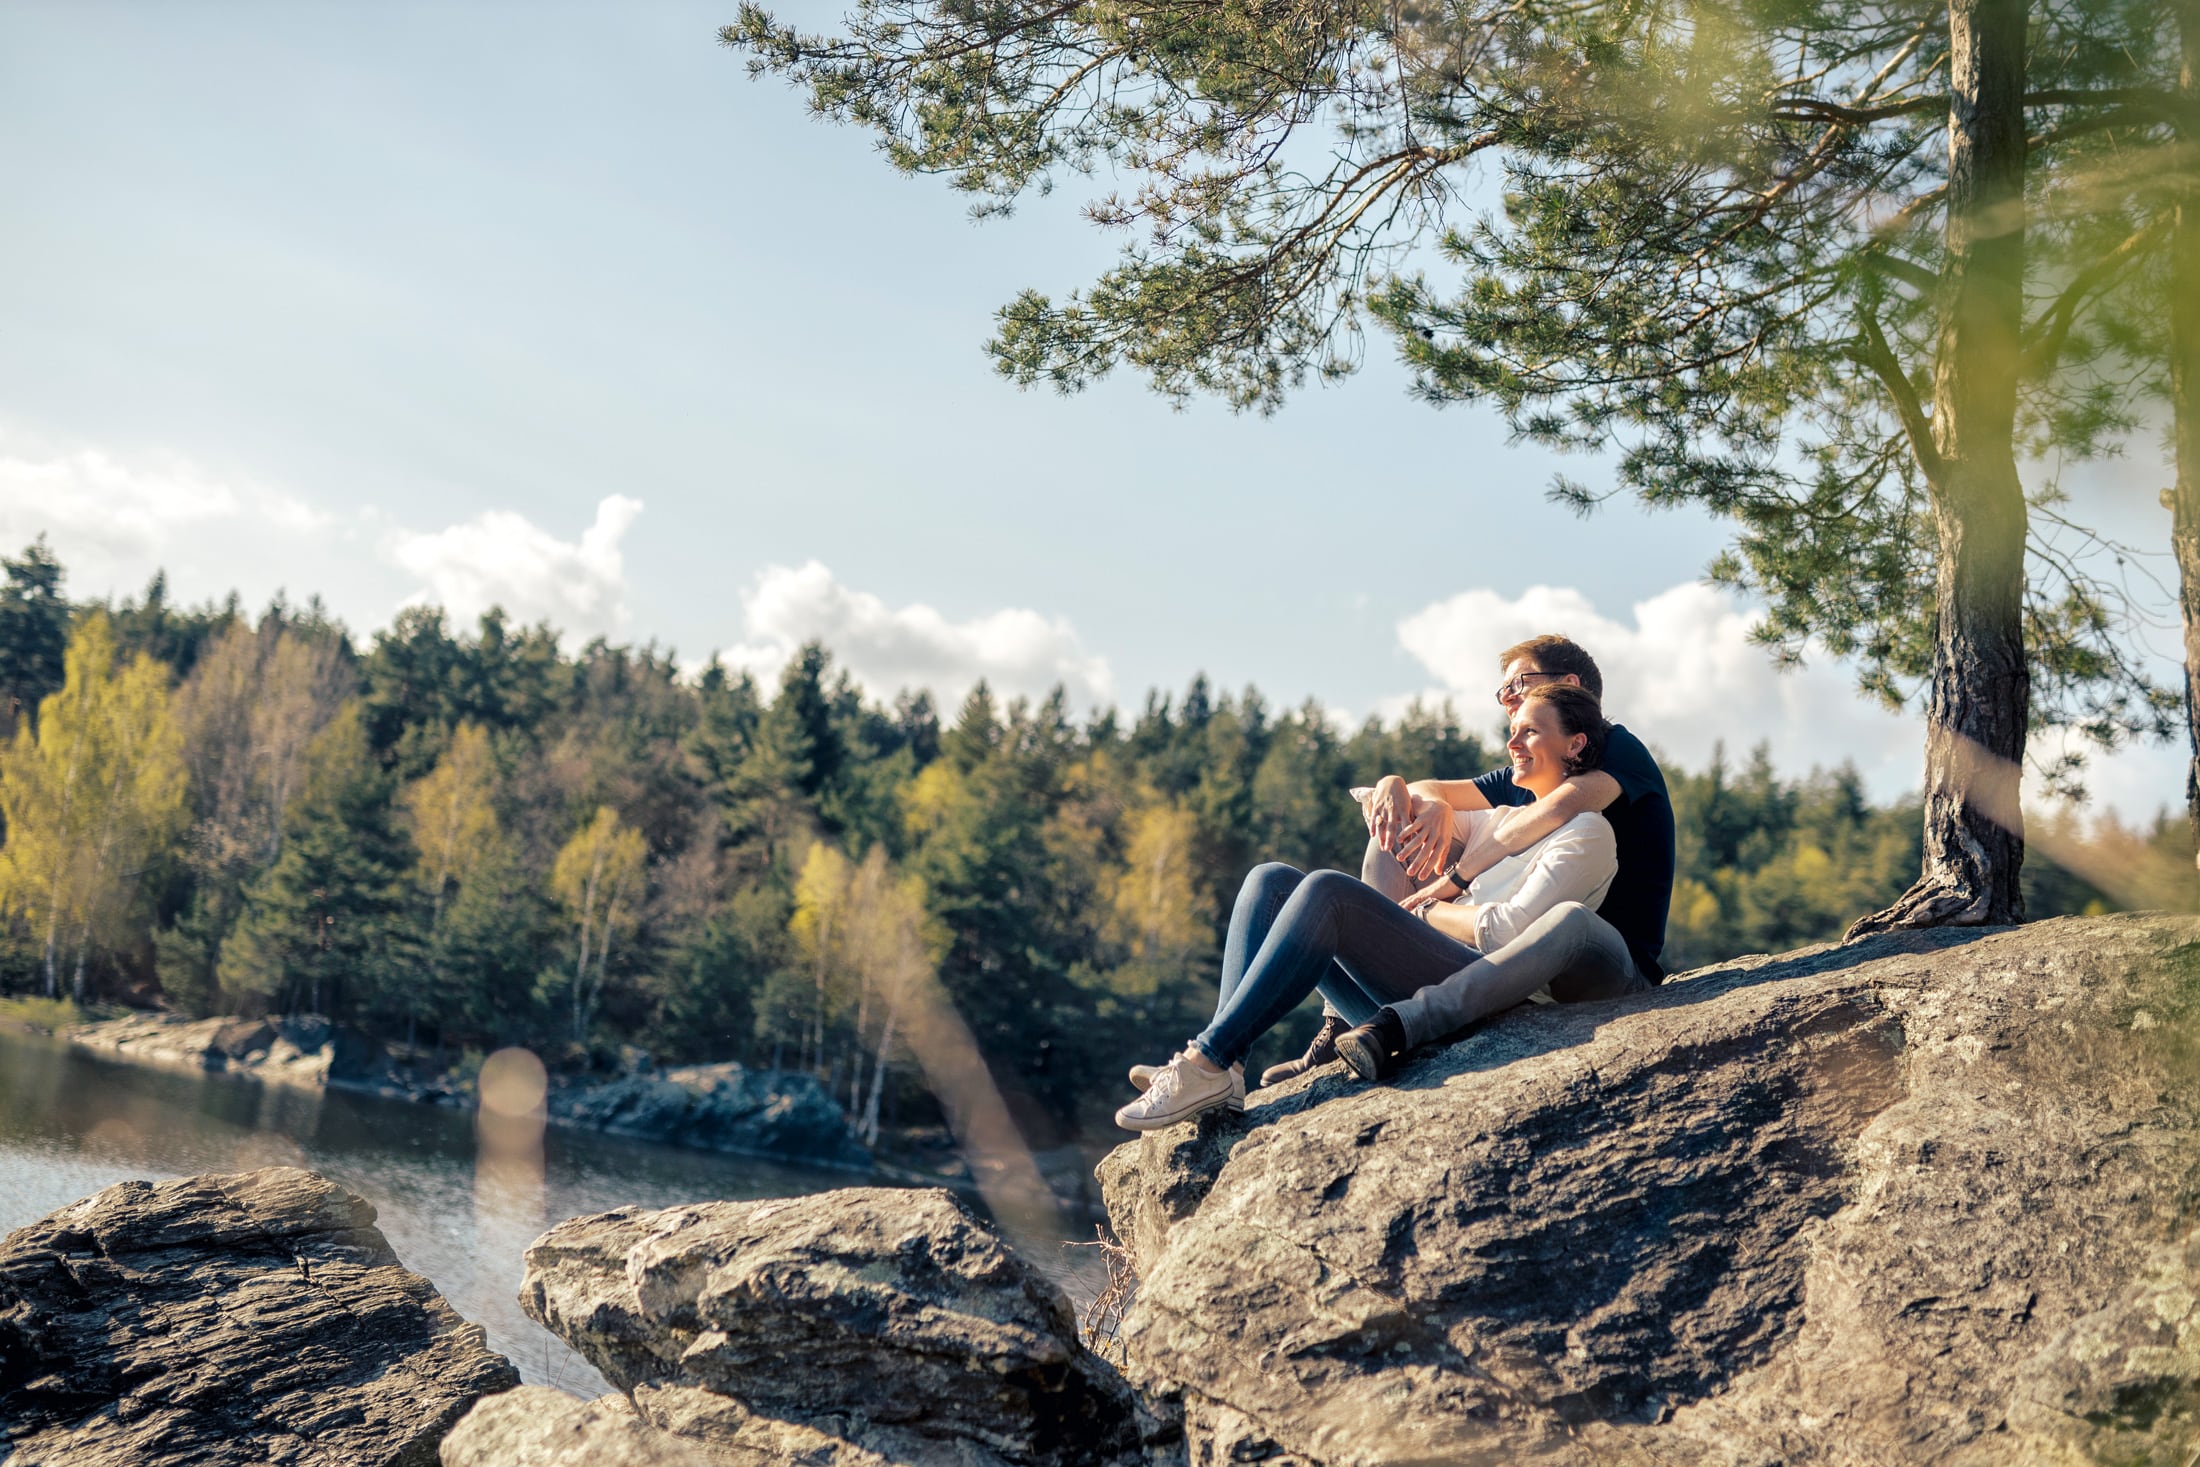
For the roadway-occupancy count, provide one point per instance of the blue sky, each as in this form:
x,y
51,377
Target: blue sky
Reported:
x,y
551,305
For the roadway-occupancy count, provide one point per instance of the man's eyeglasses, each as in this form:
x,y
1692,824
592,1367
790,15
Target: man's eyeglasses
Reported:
x,y
1520,684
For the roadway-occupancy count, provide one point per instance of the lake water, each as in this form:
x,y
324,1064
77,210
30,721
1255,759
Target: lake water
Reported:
x,y
72,1123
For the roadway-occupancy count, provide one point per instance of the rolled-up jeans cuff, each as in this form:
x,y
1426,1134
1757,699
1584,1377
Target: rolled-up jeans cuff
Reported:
x,y
1413,1016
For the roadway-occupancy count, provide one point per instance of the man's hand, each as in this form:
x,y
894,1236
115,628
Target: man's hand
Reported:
x,y
1516,829
1427,836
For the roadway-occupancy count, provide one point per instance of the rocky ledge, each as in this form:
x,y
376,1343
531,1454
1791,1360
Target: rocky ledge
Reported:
x,y
1925,1199
257,1318
309,1051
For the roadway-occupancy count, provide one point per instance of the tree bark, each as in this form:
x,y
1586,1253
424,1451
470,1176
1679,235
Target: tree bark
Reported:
x,y
2184,386
1976,711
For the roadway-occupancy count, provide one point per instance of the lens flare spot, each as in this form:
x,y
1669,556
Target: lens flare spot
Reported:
x,y
513,1083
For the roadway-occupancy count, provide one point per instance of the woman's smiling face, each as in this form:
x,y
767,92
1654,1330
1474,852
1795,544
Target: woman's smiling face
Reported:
x,y
1540,746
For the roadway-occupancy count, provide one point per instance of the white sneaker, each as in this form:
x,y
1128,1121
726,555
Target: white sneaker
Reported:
x,y
1142,1076
1179,1091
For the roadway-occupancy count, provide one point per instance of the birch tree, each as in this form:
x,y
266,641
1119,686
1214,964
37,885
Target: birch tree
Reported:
x,y
598,880
453,813
247,713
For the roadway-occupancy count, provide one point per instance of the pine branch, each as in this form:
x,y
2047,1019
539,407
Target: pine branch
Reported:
x,y
1874,353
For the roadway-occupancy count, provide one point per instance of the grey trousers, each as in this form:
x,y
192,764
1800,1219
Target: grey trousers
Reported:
x,y
1578,954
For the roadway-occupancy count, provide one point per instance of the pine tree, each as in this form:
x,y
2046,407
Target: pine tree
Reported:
x,y
323,928
34,632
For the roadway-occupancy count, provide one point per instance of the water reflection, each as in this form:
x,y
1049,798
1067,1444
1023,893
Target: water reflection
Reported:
x,y
458,1208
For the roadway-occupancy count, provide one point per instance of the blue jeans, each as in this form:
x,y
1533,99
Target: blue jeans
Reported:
x,y
1291,933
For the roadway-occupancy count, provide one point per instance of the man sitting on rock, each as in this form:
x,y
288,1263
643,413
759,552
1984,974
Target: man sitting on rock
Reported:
x,y
1411,830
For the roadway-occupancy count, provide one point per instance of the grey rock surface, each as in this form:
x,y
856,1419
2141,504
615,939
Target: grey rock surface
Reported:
x,y
252,1318
1925,1199
305,1051
721,1107
867,1325
536,1426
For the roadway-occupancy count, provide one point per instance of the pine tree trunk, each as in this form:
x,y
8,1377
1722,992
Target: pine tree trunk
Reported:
x,y
1975,714
2184,388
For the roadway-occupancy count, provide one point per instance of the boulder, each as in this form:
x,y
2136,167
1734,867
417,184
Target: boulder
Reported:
x,y
536,1426
254,1318
1923,1199
722,1107
868,1325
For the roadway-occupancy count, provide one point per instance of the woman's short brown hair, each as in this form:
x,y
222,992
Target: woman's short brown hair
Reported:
x,y
1579,712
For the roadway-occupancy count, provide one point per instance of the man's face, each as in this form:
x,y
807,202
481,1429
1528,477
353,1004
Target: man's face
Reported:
x,y
1521,674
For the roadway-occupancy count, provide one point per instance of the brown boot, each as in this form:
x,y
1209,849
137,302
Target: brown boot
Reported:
x,y
1376,1050
1321,1052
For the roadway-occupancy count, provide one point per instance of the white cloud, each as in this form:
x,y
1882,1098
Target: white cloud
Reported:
x,y
1681,672
888,648
114,519
501,558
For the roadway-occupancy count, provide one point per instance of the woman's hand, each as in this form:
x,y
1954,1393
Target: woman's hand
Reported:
x,y
1442,889
1388,810
1426,837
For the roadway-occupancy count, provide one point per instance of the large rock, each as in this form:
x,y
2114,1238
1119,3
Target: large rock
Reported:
x,y
256,1318
536,1426
1924,1199
864,1326
722,1107
307,1051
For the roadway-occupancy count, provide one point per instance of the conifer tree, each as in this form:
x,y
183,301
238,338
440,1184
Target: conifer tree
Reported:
x,y
322,929
34,632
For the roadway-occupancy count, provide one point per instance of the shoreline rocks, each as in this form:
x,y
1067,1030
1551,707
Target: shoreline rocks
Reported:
x,y
216,1320
721,1107
310,1052
717,1107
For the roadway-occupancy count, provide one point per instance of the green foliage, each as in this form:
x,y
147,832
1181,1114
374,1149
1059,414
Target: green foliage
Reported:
x,y
34,631
50,1014
1766,864
321,927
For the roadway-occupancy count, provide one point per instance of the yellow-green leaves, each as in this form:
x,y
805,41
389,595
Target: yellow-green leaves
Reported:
x,y
598,881
92,796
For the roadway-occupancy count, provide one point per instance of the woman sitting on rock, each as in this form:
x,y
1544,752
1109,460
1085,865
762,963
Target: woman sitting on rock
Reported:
x,y
1407,973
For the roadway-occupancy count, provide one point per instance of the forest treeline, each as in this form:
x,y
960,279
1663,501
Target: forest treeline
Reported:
x,y
467,838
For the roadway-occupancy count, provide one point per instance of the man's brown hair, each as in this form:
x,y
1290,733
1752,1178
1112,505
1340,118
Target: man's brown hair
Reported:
x,y
1558,656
